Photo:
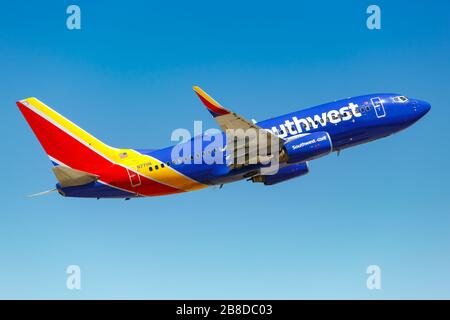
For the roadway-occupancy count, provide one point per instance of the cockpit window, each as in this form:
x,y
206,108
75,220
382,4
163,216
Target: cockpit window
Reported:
x,y
400,99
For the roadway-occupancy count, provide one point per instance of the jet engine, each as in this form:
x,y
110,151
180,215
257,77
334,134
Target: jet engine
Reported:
x,y
284,174
308,147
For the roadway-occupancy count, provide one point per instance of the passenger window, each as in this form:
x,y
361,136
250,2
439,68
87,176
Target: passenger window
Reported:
x,y
156,167
150,169
367,108
162,165
168,163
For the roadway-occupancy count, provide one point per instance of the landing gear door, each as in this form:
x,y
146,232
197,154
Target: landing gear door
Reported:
x,y
377,104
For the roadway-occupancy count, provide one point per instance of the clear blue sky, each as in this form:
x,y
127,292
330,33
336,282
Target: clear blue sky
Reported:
x,y
126,77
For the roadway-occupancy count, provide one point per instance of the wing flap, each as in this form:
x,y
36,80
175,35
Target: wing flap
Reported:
x,y
228,120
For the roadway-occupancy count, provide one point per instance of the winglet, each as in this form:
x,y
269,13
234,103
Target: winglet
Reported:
x,y
212,105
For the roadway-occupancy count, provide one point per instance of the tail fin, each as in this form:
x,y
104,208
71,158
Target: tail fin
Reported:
x,y
64,142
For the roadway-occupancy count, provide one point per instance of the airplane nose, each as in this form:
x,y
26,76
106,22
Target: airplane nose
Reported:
x,y
426,107
421,107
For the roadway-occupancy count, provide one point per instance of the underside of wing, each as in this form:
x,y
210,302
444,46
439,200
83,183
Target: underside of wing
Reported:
x,y
245,139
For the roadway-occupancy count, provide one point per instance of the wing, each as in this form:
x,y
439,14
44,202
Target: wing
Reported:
x,y
230,122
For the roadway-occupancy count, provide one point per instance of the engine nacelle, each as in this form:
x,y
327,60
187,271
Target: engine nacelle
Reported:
x,y
284,174
307,147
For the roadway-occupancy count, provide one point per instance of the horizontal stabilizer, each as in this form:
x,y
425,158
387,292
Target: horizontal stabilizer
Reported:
x,y
69,177
41,193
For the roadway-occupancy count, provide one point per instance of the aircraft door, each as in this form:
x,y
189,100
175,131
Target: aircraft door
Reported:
x,y
378,106
135,179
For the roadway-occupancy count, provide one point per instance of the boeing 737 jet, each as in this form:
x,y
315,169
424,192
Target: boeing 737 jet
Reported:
x,y
86,167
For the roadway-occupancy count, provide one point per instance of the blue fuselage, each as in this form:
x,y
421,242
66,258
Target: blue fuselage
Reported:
x,y
348,122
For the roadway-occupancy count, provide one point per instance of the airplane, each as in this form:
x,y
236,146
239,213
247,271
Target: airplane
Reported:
x,y
86,167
